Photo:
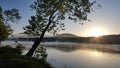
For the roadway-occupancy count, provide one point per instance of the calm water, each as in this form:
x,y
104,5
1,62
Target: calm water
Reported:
x,y
72,55
82,59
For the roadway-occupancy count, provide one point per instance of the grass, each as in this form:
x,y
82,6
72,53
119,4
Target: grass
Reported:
x,y
12,58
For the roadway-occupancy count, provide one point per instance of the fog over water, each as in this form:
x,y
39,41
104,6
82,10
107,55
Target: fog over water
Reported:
x,y
79,55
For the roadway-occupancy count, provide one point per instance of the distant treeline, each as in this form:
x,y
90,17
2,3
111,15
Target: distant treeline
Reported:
x,y
108,39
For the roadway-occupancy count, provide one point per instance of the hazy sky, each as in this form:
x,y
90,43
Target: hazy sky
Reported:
x,y
105,19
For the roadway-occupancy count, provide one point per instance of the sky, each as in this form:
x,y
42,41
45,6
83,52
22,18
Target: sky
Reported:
x,y
104,20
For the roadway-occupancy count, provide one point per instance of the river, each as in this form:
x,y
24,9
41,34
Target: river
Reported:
x,y
79,55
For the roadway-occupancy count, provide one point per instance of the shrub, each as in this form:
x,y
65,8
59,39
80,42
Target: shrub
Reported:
x,y
11,58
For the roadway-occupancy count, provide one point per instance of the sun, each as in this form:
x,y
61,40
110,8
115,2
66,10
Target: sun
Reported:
x,y
96,32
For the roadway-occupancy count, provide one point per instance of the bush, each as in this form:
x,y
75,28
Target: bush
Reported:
x,y
11,58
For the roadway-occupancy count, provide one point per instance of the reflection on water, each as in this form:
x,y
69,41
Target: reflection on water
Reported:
x,y
70,55
82,59
94,47
84,56
96,54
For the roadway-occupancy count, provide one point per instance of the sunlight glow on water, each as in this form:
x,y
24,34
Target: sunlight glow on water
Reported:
x,y
61,56
96,54
82,59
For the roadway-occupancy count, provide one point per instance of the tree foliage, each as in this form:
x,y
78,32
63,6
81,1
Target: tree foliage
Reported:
x,y
50,13
11,15
60,10
6,17
35,26
4,31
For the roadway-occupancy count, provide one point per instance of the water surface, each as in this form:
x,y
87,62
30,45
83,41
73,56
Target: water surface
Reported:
x,y
79,55
82,59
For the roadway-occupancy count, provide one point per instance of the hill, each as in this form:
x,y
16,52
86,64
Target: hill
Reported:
x,y
107,39
66,35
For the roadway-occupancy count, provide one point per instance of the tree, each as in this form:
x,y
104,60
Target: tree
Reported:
x,y
50,13
4,31
6,17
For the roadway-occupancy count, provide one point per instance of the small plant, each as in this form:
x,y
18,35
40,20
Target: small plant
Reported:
x,y
40,52
19,48
11,58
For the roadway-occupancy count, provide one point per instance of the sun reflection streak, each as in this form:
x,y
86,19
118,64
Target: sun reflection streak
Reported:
x,y
96,54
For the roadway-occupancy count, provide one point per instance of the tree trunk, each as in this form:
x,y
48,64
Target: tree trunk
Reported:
x,y
0,44
39,40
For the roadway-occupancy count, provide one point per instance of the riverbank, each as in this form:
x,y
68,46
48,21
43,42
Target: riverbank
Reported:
x,y
12,58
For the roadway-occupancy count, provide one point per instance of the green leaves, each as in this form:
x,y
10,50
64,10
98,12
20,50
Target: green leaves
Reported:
x,y
1,17
4,31
59,10
40,53
36,26
6,17
12,15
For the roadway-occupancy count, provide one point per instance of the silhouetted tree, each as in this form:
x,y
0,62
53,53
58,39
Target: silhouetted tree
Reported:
x,y
50,13
6,17
4,31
